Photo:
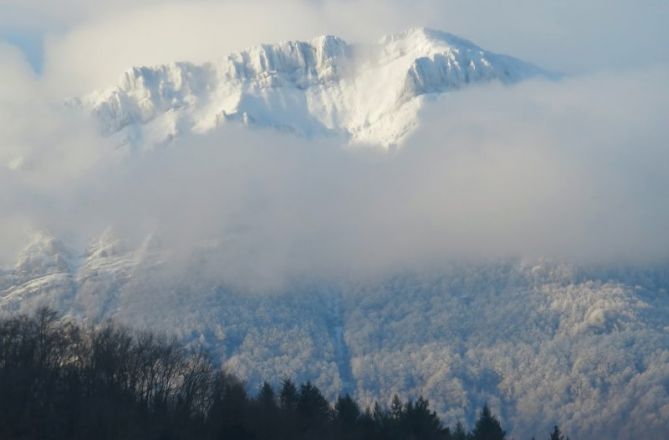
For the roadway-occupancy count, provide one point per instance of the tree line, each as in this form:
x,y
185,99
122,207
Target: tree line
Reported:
x,y
61,380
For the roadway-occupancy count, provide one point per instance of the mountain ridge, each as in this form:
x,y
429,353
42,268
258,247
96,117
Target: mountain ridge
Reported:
x,y
364,94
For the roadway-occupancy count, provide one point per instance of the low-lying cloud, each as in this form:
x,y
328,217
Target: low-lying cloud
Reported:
x,y
576,169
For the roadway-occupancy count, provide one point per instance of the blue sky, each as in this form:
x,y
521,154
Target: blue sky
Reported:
x,y
31,44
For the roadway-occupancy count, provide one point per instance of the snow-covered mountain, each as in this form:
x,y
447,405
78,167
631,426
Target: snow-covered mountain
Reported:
x,y
542,342
325,87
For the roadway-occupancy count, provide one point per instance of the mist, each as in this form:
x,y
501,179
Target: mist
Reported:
x,y
575,169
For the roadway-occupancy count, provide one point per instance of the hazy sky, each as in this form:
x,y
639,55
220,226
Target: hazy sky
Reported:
x,y
86,38
577,169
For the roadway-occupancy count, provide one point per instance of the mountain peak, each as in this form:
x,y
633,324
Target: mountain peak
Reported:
x,y
321,87
428,35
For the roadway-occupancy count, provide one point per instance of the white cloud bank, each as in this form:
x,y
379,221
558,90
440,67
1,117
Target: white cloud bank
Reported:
x,y
576,169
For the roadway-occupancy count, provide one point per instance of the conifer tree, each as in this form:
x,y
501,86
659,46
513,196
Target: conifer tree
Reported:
x,y
288,396
312,405
267,413
266,398
459,433
396,409
347,411
557,434
422,423
488,427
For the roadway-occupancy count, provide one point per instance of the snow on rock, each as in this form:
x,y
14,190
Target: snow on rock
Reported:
x,y
41,276
44,255
325,87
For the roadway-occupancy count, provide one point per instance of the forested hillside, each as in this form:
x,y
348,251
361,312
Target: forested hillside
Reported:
x,y
59,380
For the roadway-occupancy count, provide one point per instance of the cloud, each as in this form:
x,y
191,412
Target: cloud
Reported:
x,y
574,169
95,53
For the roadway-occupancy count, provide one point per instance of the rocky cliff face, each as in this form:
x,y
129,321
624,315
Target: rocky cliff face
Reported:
x,y
326,87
